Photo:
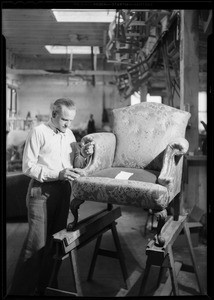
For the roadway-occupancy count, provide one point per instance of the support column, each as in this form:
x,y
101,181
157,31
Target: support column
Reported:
x,y
189,72
143,93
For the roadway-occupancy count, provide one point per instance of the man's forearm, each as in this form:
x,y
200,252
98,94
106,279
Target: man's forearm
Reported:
x,y
40,173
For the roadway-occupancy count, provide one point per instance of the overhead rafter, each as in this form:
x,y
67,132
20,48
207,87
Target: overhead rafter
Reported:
x,y
72,73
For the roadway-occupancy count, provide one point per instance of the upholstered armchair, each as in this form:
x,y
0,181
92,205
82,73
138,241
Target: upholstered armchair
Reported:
x,y
145,154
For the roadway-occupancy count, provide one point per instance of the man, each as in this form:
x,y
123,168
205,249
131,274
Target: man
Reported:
x,y
91,125
50,157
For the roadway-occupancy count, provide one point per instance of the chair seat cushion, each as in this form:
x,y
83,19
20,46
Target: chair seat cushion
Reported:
x,y
138,174
139,190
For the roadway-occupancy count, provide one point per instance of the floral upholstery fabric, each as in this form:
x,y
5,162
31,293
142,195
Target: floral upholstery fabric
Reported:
x,y
143,131
104,151
103,187
148,140
121,192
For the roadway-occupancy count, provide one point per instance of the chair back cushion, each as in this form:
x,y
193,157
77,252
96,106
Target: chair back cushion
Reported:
x,y
144,130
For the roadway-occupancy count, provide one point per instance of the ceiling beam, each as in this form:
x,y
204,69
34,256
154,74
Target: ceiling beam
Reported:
x,y
72,73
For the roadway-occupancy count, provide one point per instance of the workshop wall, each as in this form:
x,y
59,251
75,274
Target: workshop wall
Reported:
x,y
36,93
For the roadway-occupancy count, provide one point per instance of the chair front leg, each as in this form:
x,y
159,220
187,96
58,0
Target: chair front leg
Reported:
x,y
161,218
74,206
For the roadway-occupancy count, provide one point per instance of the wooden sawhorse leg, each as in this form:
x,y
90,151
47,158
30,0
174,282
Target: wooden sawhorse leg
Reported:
x,y
163,257
120,254
74,266
149,263
187,233
114,254
164,262
94,258
75,272
172,272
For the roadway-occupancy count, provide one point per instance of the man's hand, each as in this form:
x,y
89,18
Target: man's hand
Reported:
x,y
68,174
79,171
88,148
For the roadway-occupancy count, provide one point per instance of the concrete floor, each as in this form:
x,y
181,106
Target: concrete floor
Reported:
x,y
108,280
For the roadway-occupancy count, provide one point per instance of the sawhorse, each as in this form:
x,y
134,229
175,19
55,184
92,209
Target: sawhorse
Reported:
x,y
67,244
163,256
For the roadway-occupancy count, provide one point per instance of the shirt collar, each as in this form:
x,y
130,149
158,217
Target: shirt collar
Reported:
x,y
53,127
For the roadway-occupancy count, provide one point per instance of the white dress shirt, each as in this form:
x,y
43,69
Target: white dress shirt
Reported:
x,y
47,152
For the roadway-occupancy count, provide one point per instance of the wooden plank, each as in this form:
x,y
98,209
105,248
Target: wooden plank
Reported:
x,y
171,229
194,224
133,279
72,235
81,228
108,253
92,230
138,23
193,258
166,288
36,42
77,34
172,272
55,292
76,272
73,73
62,256
70,240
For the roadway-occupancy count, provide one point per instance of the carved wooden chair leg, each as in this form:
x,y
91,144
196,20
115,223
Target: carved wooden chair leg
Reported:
x,y
161,218
74,206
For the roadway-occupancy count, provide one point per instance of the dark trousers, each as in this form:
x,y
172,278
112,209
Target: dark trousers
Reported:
x,y
48,207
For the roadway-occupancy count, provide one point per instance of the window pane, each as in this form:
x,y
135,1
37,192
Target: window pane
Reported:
x,y
202,116
135,99
202,111
202,101
156,99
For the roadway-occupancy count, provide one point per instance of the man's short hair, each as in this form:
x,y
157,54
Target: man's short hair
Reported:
x,y
57,105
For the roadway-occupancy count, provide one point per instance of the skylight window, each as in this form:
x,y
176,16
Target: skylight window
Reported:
x,y
71,49
84,15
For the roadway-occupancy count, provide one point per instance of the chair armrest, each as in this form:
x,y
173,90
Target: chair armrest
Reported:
x,y
103,156
171,172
